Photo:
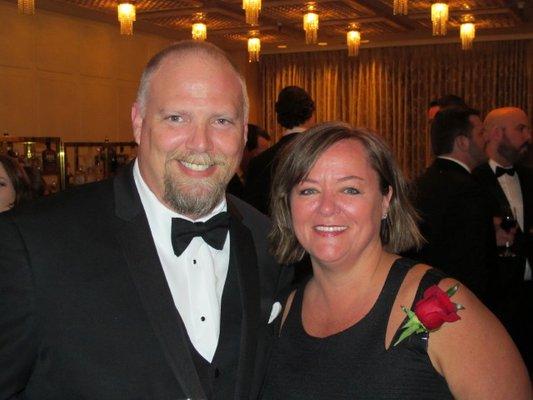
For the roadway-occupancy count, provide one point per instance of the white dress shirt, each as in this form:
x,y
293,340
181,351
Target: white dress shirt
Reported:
x,y
513,191
196,278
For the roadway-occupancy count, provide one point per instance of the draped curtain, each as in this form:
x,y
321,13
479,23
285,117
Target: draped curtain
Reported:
x,y
388,89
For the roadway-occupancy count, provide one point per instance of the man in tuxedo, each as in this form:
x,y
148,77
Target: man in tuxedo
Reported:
x,y
510,186
153,285
455,220
294,109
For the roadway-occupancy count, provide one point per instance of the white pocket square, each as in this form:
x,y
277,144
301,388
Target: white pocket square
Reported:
x,y
276,310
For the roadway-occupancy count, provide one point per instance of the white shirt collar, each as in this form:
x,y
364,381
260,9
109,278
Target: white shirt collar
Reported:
x,y
462,164
296,129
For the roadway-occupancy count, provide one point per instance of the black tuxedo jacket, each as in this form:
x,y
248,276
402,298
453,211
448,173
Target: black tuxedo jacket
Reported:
x,y
456,223
523,245
260,174
85,309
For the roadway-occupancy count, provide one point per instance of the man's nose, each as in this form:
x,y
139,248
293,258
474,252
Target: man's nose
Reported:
x,y
199,138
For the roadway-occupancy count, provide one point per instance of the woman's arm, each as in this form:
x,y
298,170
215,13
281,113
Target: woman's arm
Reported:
x,y
476,355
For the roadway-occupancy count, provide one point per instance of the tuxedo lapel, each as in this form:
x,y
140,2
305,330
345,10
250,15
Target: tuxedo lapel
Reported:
x,y
486,174
244,258
133,234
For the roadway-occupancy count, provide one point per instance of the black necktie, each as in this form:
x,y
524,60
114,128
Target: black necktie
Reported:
x,y
213,231
502,171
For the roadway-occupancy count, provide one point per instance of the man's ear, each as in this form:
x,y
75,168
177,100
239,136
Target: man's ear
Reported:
x,y
136,122
462,143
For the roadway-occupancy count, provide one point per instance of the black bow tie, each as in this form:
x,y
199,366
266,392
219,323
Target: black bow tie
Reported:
x,y
502,171
213,231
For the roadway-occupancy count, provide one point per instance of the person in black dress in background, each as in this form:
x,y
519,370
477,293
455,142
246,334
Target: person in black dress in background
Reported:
x,y
340,197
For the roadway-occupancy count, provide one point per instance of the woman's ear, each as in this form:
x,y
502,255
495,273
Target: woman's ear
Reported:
x,y
385,205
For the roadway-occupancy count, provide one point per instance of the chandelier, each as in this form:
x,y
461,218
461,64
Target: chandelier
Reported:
x,y
126,17
199,29
439,18
26,6
399,7
353,40
254,47
311,24
468,32
251,10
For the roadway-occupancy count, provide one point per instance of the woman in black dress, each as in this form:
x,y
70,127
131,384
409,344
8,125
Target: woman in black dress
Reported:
x,y
339,197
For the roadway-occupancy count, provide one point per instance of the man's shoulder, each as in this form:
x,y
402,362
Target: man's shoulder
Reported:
x,y
251,217
90,199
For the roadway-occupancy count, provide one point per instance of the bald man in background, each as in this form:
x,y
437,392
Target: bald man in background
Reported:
x,y
509,185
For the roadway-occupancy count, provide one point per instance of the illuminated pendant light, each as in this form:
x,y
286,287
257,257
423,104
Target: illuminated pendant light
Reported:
x,y
199,29
468,32
353,40
26,7
251,10
311,24
439,18
126,17
399,7
254,47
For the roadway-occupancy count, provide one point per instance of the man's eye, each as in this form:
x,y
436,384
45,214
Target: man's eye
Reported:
x,y
175,118
351,190
223,121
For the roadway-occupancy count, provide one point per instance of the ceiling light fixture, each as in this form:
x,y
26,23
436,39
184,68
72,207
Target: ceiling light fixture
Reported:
x,y
254,47
251,11
26,7
468,32
353,40
126,17
199,28
400,7
311,24
439,18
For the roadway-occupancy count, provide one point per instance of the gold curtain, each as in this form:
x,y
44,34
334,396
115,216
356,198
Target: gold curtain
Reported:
x,y
388,89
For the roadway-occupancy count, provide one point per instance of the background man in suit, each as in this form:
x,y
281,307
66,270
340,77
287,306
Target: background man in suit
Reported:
x,y
258,141
448,100
111,292
455,221
510,186
294,109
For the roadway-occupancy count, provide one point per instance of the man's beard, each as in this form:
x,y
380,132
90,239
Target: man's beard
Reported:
x,y
196,197
512,154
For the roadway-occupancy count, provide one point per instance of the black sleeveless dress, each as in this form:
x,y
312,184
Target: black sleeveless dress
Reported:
x,y
354,364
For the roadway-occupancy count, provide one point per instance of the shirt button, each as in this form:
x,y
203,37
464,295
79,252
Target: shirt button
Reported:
x,y
217,372
194,262
202,319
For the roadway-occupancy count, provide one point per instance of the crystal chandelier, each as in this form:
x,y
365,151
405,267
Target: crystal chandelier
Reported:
x,y
399,7
439,18
251,10
468,32
26,6
311,24
254,47
353,40
199,29
126,17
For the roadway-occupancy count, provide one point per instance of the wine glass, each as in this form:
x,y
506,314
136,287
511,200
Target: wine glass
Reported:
x,y
507,224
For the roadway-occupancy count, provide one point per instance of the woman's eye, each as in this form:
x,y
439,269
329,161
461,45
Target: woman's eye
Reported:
x,y
307,191
351,190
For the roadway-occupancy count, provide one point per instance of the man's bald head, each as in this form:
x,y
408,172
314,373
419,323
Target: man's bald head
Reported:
x,y
510,134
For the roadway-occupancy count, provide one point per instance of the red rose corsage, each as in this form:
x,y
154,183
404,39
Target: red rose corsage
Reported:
x,y
429,313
